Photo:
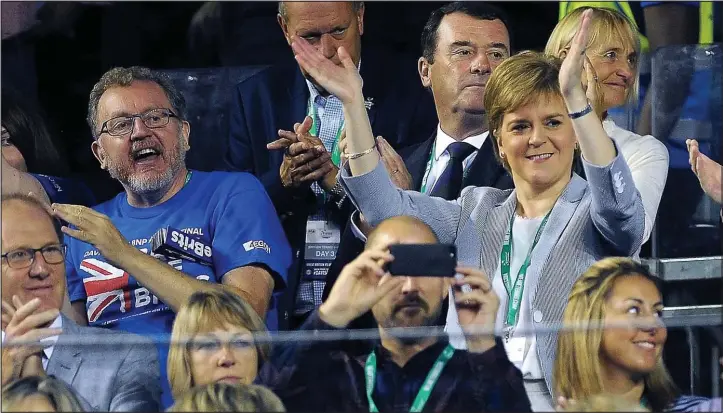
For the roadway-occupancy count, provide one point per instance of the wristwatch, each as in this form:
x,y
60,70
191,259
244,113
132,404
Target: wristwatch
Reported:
x,y
338,192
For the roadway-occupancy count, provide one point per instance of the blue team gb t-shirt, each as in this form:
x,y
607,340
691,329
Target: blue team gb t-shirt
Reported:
x,y
66,190
229,211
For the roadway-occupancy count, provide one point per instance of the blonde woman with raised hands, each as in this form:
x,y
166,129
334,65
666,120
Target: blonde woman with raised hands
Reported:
x,y
545,232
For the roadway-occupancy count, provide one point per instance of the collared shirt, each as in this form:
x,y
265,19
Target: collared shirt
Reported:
x,y
302,374
48,351
396,387
441,158
441,154
329,118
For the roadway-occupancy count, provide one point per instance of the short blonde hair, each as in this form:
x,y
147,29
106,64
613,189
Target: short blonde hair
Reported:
x,y
225,397
578,368
204,311
518,81
60,395
606,26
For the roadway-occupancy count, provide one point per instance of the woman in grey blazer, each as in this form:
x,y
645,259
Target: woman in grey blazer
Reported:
x,y
552,226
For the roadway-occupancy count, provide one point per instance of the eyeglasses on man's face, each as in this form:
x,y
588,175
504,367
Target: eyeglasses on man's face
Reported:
x,y
24,257
123,125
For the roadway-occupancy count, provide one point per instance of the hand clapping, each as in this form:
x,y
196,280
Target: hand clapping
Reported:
x,y
708,171
306,160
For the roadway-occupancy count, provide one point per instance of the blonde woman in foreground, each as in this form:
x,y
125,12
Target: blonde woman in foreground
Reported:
x,y
621,362
39,394
225,397
219,326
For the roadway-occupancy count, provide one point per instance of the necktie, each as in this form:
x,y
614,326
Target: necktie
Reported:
x,y
449,183
44,359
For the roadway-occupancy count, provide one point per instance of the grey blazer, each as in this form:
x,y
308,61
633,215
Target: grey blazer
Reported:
x,y
118,378
601,217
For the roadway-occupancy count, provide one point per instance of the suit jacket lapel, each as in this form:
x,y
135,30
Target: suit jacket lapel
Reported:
x,y
66,358
371,74
559,219
299,97
496,224
416,161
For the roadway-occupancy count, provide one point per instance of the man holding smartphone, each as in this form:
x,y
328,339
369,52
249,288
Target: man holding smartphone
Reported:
x,y
400,373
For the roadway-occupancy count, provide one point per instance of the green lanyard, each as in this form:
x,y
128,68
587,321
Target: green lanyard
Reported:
x,y
644,403
430,162
423,395
335,151
514,292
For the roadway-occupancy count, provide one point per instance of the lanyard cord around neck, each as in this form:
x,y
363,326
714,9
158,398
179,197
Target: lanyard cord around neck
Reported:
x,y
514,290
335,151
430,163
370,370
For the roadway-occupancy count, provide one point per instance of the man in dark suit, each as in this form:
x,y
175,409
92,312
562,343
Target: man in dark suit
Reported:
x,y
299,170
463,43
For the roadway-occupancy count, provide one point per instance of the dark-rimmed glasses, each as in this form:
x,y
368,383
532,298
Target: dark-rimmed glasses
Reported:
x,y
24,257
123,125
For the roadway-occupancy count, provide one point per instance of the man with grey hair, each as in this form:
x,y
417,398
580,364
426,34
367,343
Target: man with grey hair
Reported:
x,y
134,260
299,168
118,372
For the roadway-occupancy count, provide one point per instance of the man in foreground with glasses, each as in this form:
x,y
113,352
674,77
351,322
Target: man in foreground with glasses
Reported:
x,y
134,260
124,377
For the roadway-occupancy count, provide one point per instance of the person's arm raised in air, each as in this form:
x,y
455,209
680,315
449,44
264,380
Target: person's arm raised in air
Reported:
x,y
365,178
617,209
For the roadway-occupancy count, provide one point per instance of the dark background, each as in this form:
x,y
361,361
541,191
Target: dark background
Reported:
x,y
57,62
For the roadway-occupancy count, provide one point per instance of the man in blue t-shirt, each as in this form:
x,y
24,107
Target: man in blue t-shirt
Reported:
x,y
212,230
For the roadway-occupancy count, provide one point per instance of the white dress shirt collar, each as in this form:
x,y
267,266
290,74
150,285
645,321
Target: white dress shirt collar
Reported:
x,y
443,141
57,323
48,351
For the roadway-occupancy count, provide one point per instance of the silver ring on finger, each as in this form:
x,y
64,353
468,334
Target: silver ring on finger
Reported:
x,y
395,171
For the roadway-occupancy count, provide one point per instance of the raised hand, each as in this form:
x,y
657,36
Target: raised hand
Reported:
x,y
708,171
592,87
343,82
94,228
361,284
476,308
573,66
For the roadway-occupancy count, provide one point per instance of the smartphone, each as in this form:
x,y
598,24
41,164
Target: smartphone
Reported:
x,y
423,260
